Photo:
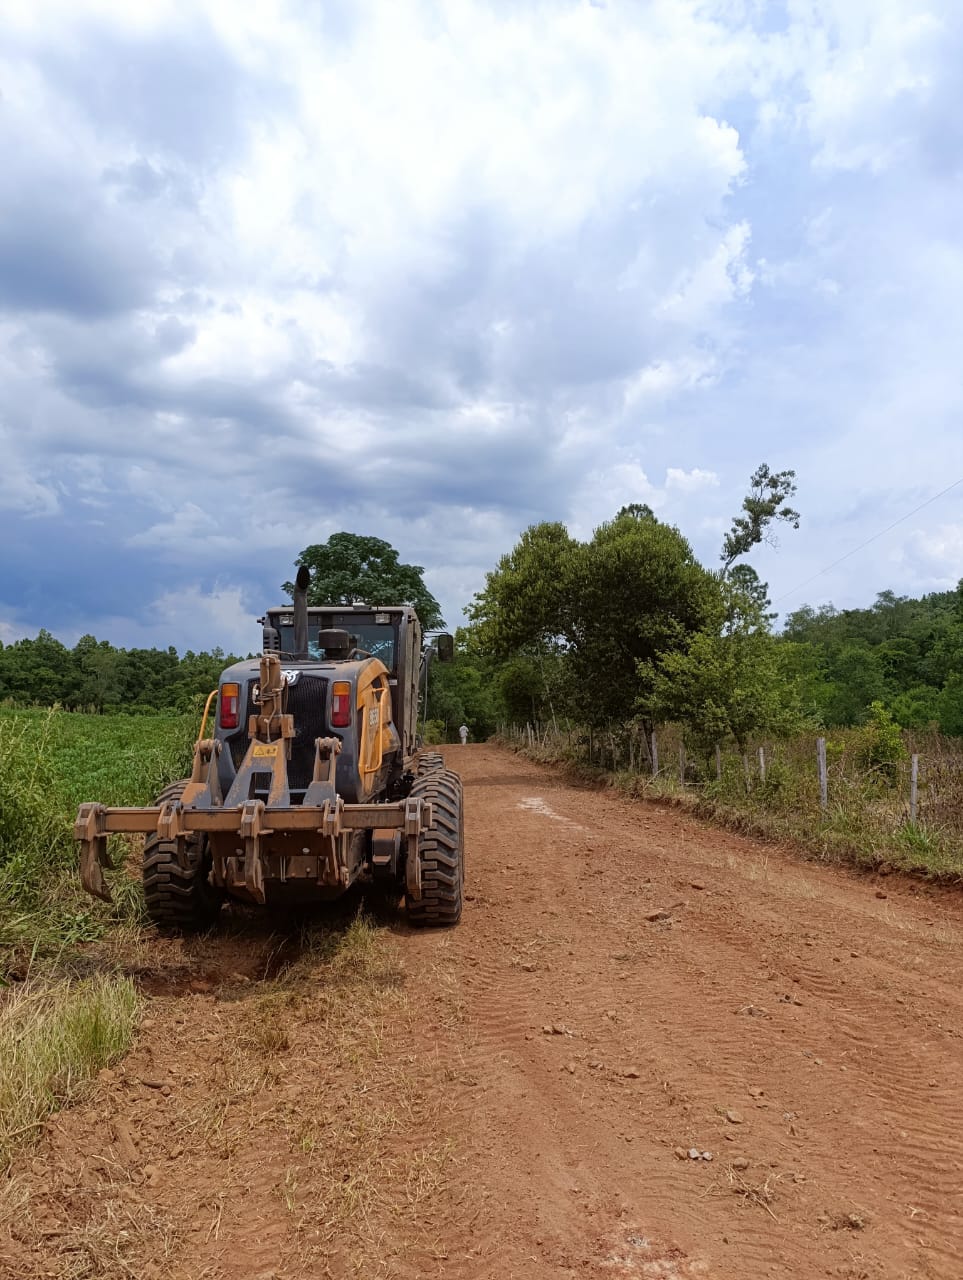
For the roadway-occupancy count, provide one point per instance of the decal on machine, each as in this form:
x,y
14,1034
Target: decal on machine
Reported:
x,y
289,677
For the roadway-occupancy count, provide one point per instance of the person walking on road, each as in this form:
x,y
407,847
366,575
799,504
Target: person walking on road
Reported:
x,y
463,734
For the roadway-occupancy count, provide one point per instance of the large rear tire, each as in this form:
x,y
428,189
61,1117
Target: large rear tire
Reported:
x,y
179,898
441,850
428,762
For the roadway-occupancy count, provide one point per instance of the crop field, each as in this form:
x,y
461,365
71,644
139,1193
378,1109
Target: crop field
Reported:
x,y
50,762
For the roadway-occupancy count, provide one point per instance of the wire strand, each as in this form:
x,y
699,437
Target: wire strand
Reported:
x,y
874,538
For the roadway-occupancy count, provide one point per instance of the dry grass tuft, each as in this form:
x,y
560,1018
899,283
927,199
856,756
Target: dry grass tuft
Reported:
x,y
53,1039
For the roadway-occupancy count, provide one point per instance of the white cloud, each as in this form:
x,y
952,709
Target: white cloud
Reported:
x,y
936,553
690,481
195,613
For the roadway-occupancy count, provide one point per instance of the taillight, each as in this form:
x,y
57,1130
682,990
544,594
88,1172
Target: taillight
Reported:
x,y
340,704
228,712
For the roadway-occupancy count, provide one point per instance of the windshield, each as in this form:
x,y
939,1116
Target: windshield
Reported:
x,y
375,638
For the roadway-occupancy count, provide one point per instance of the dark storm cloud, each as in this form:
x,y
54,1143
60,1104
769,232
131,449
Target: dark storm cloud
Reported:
x,y
76,241
59,252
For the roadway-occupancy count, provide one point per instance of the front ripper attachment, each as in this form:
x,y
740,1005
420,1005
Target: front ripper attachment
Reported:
x,y
256,842
90,830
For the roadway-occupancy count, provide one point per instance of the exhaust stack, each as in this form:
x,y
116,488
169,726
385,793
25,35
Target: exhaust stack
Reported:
x,y
301,584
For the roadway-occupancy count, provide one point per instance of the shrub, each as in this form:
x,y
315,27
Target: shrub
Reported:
x,y
879,746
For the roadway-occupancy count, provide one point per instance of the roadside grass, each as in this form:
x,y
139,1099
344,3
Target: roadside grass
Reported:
x,y
867,822
50,762
53,1039
57,1031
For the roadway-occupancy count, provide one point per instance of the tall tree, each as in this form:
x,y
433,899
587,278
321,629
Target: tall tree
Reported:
x,y
351,567
589,613
766,503
525,601
638,593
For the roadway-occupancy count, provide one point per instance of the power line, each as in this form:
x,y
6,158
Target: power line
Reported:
x,y
868,541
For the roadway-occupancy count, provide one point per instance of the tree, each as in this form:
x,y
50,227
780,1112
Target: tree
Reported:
x,y
351,567
525,601
464,691
587,614
766,502
725,687
638,592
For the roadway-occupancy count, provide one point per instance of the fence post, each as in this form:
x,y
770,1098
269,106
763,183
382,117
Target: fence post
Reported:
x,y
914,786
718,763
823,776
762,764
682,765
655,756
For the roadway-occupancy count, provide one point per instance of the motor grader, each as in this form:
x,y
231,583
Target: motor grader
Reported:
x,y
312,780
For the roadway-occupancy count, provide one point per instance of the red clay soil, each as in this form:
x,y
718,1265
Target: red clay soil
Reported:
x,y
651,1048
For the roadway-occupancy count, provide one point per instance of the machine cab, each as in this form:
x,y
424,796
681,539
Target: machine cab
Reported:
x,y
391,633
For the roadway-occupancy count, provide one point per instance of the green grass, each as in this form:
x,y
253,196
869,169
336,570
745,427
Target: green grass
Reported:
x,y
53,1040
50,762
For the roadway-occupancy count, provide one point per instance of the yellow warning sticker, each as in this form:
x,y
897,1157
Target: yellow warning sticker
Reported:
x,y
266,749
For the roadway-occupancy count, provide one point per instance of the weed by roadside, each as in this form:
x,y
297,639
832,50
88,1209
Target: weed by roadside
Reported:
x,y
53,1040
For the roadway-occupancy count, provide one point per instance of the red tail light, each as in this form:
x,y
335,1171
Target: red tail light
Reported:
x,y
228,707
340,704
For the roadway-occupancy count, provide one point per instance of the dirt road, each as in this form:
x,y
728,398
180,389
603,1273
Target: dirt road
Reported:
x,y
651,1049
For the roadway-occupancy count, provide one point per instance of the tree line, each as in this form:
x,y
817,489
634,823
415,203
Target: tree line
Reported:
x,y
624,629
96,676
628,629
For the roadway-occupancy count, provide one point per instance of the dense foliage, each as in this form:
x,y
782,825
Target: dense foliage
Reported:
x,y
628,628
96,676
350,567
904,653
615,630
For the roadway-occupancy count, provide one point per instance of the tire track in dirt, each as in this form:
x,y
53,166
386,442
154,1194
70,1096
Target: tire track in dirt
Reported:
x,y
747,1000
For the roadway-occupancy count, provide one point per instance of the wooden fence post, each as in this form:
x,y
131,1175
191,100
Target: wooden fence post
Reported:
x,y
823,775
914,786
718,763
762,764
655,756
682,765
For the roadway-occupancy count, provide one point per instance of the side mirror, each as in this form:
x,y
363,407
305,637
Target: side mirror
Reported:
x,y
272,640
446,647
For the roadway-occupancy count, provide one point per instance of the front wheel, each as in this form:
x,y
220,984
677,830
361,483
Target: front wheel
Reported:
x,y
441,851
179,898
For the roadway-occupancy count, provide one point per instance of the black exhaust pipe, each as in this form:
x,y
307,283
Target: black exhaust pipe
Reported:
x,y
301,584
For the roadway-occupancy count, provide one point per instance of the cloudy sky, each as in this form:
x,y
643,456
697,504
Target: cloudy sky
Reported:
x,y
437,269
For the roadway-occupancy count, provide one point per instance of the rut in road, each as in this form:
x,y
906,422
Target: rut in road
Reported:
x,y
522,1096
